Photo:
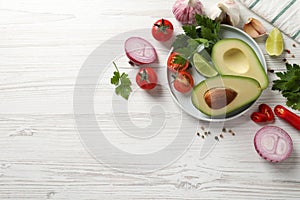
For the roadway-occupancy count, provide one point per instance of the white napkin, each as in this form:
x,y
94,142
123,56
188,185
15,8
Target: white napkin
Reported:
x,y
283,14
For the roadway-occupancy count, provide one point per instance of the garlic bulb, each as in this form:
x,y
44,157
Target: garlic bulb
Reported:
x,y
185,10
254,28
226,11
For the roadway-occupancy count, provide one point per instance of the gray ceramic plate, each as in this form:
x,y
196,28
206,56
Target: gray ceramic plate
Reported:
x,y
184,100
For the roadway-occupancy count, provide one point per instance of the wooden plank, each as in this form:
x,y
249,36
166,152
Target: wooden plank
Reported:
x,y
43,46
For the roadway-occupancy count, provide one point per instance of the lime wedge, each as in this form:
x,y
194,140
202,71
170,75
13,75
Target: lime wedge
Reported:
x,y
203,66
274,43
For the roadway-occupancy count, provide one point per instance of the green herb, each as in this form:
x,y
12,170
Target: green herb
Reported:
x,y
178,59
289,85
206,32
209,28
188,50
122,82
191,31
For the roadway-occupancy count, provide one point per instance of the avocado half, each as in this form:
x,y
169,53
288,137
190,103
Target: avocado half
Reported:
x,y
233,56
224,94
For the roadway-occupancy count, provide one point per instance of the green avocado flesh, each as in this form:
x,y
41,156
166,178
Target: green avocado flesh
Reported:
x,y
221,95
233,56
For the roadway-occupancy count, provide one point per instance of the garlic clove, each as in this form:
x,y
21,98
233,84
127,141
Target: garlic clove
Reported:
x,y
226,11
232,11
248,28
254,28
258,26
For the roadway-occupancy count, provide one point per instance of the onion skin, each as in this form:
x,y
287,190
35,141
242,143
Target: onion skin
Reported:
x,y
185,10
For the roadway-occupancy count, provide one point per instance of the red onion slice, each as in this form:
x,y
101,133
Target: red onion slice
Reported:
x,y
140,51
273,143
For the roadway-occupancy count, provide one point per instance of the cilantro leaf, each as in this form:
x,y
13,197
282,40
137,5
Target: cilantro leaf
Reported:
x,y
289,85
122,82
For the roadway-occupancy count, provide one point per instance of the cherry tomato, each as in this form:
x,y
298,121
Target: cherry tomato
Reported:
x,y
258,117
184,82
265,109
162,30
174,67
288,116
146,78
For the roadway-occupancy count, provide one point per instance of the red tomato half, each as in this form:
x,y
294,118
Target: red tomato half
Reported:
x,y
174,67
184,82
265,109
146,78
162,30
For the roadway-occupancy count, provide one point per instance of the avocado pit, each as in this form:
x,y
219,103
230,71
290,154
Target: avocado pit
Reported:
x,y
217,98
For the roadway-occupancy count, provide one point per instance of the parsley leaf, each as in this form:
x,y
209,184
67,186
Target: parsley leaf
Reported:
x,y
115,79
178,59
289,85
190,31
122,82
181,41
188,51
206,32
206,22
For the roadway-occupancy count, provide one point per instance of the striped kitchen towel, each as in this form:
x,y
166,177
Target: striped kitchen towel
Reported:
x,y
284,14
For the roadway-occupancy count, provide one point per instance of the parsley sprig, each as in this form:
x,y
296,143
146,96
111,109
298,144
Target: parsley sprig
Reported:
x,y
179,60
289,85
122,82
206,32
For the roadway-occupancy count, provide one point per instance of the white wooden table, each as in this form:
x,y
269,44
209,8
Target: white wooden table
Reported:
x,y
44,44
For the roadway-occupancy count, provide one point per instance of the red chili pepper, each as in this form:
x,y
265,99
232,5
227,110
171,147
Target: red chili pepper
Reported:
x,y
258,117
267,110
288,116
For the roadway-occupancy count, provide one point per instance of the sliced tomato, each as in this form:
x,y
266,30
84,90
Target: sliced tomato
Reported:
x,y
184,82
258,117
176,63
267,110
